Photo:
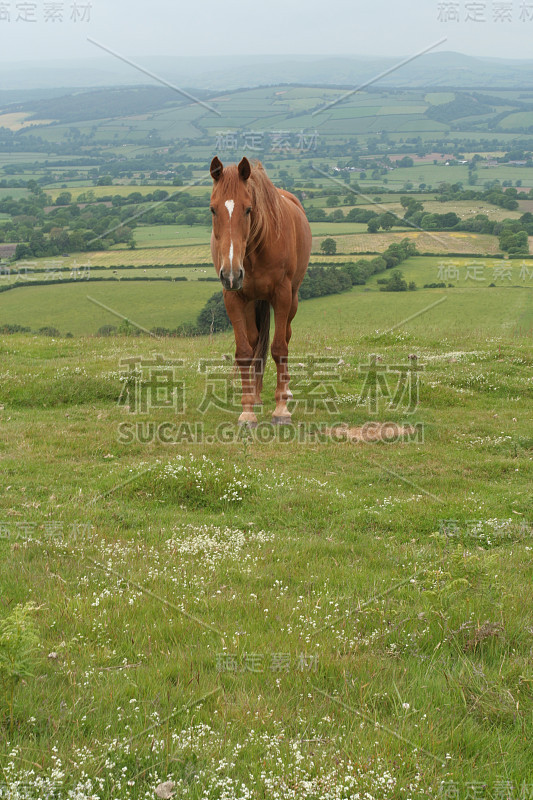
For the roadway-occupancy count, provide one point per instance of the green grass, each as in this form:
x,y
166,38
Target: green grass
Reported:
x,y
16,194
66,307
464,309
464,272
337,228
438,98
522,119
295,568
40,273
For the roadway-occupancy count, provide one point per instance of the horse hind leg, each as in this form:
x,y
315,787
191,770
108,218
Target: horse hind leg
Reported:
x,y
292,314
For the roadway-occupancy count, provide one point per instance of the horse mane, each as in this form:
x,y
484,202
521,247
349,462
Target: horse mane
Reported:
x,y
266,203
266,213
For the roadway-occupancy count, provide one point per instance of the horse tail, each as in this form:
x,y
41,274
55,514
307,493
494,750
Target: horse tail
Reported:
x,y
262,320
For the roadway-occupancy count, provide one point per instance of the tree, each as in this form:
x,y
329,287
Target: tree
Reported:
x,y
316,215
188,218
35,189
387,221
406,161
396,283
213,316
64,199
514,243
412,206
329,247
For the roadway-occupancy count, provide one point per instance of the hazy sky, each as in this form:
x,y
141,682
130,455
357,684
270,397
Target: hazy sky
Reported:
x,y
136,28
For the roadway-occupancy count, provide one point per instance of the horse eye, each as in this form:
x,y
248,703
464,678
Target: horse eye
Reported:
x,y
212,210
248,211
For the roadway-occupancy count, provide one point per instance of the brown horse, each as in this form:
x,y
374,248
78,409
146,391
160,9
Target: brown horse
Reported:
x,y
261,242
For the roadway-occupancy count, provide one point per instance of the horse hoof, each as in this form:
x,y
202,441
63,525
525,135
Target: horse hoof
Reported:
x,y
248,419
281,420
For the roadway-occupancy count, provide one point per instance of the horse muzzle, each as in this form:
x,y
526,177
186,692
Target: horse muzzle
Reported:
x,y
232,281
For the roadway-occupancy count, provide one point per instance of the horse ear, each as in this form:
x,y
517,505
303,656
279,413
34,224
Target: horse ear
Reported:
x,y
244,169
216,168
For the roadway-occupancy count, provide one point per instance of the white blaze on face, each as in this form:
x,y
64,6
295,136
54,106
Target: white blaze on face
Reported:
x,y
230,205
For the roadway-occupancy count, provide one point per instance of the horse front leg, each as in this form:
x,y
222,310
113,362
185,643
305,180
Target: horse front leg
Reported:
x,y
280,352
252,333
243,356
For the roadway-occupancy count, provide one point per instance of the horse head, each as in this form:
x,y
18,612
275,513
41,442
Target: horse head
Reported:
x,y
231,207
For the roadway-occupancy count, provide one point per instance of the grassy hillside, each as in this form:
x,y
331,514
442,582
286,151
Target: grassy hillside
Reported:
x,y
305,617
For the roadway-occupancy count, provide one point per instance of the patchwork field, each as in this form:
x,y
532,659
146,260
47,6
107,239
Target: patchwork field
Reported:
x,y
125,189
180,254
168,304
161,235
464,273
464,209
426,242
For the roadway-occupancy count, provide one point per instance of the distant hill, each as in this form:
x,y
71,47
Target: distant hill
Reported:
x,y
231,72
158,115
100,103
